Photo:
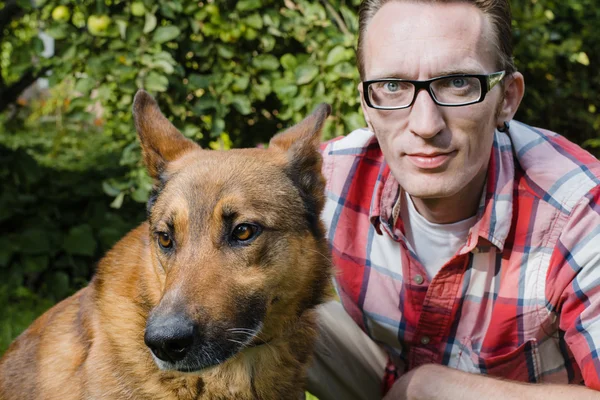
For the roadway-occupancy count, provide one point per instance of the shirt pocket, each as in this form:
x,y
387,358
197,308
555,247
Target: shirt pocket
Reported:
x,y
521,364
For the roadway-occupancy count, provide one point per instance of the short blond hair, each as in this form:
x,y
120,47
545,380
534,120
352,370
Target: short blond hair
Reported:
x,y
498,11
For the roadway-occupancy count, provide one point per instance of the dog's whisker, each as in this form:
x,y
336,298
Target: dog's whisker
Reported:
x,y
328,258
236,341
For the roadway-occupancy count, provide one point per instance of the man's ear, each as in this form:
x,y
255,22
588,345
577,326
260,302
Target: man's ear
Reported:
x,y
161,142
514,89
364,107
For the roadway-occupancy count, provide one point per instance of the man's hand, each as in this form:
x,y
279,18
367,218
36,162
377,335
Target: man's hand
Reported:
x,y
436,382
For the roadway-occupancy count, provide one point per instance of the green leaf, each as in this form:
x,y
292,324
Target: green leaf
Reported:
x,y
306,73
155,82
118,201
35,264
33,241
110,189
204,103
247,5
225,51
285,91
339,54
58,285
150,23
37,44
353,121
6,251
266,62
242,104
166,33
240,83
255,21
122,25
288,61
197,81
85,85
80,241
141,194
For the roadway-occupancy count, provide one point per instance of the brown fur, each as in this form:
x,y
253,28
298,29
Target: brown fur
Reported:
x,y
91,345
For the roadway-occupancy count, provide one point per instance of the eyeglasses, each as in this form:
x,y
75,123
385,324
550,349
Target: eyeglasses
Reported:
x,y
448,91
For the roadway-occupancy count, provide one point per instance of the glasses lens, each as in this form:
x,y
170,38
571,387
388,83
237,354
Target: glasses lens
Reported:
x,y
456,89
391,94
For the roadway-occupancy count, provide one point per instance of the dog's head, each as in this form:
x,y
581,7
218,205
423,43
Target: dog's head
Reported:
x,y
237,246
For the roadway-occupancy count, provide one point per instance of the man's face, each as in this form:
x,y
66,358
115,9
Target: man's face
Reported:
x,y
434,152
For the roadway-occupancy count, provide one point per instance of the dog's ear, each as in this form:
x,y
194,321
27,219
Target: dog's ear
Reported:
x,y
305,133
301,143
161,142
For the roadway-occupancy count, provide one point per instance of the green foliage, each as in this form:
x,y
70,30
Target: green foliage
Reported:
x,y
557,48
55,225
228,74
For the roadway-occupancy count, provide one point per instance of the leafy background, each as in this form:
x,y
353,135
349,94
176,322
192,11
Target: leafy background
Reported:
x,y
228,74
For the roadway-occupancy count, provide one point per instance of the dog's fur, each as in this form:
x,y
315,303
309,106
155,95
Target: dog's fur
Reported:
x,y
251,302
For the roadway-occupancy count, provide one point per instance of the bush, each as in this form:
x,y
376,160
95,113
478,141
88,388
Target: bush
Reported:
x,y
228,73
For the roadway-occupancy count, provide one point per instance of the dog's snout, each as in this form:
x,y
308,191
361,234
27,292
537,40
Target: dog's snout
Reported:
x,y
170,337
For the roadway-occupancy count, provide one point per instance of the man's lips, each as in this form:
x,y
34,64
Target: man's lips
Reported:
x,y
429,160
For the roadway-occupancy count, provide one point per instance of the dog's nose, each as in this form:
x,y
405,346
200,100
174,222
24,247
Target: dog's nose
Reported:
x,y
169,337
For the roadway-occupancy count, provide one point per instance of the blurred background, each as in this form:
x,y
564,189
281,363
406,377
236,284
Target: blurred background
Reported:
x,y
228,74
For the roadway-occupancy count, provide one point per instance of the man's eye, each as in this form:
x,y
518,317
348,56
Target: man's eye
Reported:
x,y
459,82
392,86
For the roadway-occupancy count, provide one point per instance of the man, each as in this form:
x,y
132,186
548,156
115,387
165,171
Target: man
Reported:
x,y
467,244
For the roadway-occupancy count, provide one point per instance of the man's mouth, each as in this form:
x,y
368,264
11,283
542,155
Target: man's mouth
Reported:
x,y
430,160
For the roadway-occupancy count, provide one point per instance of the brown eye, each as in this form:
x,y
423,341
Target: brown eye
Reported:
x,y
164,240
244,232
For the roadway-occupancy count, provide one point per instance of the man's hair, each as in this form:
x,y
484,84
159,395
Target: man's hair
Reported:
x,y
498,12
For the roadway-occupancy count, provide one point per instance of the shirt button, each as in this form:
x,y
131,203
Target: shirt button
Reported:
x,y
418,279
425,340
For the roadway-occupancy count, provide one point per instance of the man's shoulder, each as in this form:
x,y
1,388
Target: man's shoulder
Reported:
x,y
356,158
356,143
552,167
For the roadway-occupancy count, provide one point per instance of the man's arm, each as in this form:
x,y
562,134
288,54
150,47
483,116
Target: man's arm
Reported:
x,y
437,382
575,290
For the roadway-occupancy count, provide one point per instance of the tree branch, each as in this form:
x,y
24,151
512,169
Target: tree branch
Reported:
x,y
338,19
10,11
9,94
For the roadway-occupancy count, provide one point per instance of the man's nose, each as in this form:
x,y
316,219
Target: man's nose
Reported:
x,y
426,119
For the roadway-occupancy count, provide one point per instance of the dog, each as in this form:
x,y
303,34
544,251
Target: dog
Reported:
x,y
213,297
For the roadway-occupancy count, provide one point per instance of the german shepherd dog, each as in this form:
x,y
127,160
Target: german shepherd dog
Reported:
x,y
213,297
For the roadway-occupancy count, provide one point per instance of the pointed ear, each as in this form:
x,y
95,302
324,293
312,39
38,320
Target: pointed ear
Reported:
x,y
301,143
307,132
161,142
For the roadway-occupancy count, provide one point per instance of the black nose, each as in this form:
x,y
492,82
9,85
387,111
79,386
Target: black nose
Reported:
x,y
169,337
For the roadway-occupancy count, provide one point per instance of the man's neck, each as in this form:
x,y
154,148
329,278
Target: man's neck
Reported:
x,y
457,207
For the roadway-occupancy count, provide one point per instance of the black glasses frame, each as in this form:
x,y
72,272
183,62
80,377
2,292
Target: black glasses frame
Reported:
x,y
488,81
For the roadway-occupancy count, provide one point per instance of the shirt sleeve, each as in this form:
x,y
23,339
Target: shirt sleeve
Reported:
x,y
575,269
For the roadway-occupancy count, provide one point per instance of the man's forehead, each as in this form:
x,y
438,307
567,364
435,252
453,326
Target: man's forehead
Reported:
x,y
418,39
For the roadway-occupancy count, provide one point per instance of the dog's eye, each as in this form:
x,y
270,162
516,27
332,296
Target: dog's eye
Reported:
x,y
164,240
244,232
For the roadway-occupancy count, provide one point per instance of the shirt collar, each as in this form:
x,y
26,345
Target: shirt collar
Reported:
x,y
494,215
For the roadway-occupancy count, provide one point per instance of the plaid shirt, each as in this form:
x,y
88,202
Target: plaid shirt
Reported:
x,y
520,300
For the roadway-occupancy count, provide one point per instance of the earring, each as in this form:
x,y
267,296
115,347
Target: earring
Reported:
x,y
504,127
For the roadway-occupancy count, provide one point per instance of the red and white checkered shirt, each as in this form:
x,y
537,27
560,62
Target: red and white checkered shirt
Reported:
x,y
520,300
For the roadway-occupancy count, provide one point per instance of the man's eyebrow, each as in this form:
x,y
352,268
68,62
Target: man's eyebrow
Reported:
x,y
451,71
459,71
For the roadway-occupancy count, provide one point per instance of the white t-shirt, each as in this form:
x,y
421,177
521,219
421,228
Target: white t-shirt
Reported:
x,y
434,244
